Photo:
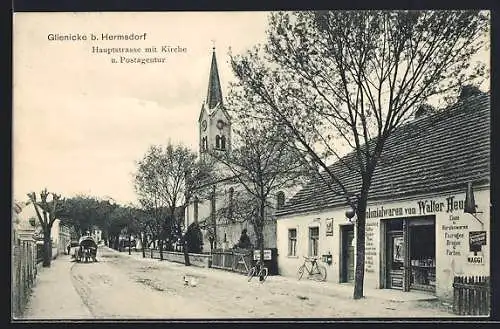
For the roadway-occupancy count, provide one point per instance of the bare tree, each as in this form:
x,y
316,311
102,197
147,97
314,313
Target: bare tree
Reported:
x,y
164,181
46,211
345,80
262,163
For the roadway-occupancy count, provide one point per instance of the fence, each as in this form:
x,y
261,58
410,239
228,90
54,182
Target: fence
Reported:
x,y
232,260
39,253
200,260
471,295
24,271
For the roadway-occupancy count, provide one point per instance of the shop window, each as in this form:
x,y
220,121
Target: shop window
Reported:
x,y
422,257
313,241
292,242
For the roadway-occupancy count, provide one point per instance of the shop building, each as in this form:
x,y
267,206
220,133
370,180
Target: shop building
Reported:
x,y
419,230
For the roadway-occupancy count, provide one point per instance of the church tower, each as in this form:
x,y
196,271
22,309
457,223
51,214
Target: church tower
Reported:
x,y
214,123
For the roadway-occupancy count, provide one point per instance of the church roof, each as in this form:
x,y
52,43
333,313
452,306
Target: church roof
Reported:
x,y
438,152
214,94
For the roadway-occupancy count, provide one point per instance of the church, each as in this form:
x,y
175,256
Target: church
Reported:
x,y
212,203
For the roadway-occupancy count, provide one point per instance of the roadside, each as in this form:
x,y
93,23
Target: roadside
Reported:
x,y
53,296
378,302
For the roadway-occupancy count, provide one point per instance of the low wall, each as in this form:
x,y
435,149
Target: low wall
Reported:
x,y
200,260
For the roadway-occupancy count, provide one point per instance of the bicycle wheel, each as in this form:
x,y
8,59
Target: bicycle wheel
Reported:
x,y
300,272
251,274
264,273
321,274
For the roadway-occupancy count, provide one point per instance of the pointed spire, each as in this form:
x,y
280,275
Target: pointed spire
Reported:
x,y
214,94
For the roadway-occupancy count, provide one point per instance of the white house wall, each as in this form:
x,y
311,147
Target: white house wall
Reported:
x,y
452,227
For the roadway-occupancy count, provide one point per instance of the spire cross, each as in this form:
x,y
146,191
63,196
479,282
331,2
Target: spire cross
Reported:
x,y
213,44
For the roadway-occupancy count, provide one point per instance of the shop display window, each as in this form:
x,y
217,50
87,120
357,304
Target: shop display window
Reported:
x,y
422,257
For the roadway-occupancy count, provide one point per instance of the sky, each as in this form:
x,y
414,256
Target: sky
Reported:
x,y
80,122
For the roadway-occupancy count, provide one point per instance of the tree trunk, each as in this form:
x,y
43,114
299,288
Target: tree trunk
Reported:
x,y
160,244
143,242
186,253
360,248
129,242
47,248
260,235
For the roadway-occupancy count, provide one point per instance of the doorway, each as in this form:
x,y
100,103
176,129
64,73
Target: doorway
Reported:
x,y
395,260
347,253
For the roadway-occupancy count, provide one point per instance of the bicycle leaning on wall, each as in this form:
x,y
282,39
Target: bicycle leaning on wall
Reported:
x,y
258,270
312,268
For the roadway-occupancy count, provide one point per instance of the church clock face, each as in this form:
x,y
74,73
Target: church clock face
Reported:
x,y
220,124
204,125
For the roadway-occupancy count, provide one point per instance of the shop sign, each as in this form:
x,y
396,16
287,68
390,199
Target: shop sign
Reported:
x,y
448,205
398,245
475,260
329,226
267,254
477,239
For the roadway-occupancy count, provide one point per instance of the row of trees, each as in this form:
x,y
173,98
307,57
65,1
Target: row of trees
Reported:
x,y
83,213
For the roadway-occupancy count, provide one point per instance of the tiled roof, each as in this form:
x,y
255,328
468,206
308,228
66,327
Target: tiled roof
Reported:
x,y
434,153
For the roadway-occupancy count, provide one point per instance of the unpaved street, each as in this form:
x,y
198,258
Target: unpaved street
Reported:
x,y
123,286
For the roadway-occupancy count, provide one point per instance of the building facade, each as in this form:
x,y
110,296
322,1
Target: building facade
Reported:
x,y
420,232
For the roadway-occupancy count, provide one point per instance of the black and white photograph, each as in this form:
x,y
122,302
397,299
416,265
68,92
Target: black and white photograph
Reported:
x,y
246,165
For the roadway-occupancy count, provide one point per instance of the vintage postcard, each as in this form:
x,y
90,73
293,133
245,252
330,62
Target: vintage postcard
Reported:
x,y
251,165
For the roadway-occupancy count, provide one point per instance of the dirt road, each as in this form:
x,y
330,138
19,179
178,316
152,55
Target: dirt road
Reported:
x,y
123,286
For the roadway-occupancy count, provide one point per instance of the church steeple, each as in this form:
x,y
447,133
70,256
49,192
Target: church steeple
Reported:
x,y
214,122
214,94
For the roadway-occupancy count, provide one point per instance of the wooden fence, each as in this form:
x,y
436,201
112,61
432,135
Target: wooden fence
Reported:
x,y
24,271
39,253
236,261
471,295
200,260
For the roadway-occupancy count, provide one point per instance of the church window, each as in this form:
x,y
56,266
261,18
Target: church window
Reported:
x,y
217,142
231,203
204,143
223,143
280,196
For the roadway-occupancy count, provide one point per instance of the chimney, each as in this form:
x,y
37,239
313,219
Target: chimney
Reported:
x,y
468,91
423,110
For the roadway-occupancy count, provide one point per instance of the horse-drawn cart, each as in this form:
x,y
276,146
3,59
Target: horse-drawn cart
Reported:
x,y
87,250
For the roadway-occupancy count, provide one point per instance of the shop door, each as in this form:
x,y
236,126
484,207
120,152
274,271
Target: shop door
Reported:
x,y
395,260
347,253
